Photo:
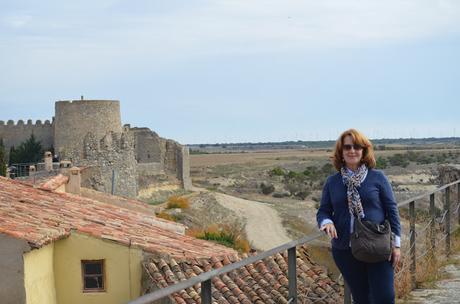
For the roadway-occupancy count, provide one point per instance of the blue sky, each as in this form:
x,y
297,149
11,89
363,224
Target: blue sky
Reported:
x,y
239,70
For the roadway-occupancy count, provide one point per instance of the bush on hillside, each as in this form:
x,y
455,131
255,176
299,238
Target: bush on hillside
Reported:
x,y
229,236
267,188
277,171
381,163
177,202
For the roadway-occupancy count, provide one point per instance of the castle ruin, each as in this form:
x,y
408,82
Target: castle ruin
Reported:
x,y
90,134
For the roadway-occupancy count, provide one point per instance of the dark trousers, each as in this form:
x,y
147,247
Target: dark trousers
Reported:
x,y
370,283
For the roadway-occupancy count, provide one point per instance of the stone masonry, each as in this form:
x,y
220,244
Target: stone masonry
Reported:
x,y
90,134
14,134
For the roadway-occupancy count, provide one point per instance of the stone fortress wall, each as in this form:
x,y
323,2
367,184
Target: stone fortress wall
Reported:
x,y
113,152
158,158
14,134
89,133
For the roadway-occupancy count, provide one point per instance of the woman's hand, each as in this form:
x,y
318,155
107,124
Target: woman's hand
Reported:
x,y
329,229
395,256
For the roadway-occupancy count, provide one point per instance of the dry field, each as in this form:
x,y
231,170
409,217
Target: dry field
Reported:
x,y
241,175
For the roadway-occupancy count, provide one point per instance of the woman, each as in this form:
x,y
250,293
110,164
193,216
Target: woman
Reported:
x,y
359,187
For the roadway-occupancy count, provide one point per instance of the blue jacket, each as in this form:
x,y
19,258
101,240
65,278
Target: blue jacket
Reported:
x,y
377,199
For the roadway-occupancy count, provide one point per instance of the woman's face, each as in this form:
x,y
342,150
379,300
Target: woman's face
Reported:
x,y
351,153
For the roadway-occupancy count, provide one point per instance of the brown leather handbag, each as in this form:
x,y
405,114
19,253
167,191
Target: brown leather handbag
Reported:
x,y
371,242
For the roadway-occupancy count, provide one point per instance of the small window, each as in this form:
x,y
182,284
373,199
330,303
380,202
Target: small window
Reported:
x,y
93,275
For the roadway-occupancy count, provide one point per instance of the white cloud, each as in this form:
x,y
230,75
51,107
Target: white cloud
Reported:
x,y
16,20
83,36
245,24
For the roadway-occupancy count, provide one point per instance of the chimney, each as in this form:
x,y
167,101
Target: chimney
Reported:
x,y
9,173
74,184
32,170
64,167
48,161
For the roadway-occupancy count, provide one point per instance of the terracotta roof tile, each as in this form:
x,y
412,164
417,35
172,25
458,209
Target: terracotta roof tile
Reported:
x,y
264,282
54,182
41,217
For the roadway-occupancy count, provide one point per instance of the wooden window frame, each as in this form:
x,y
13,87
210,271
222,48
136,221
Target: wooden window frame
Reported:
x,y
84,275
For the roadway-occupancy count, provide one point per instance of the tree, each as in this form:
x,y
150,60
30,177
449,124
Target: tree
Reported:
x,y
29,151
2,158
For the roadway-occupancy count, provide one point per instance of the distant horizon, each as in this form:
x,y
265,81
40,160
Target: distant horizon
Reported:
x,y
325,140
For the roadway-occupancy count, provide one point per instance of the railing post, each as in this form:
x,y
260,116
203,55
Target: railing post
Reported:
x,y
347,294
206,292
458,203
432,225
412,245
292,275
447,210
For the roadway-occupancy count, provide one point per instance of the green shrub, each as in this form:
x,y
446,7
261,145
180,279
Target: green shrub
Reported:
x,y
303,194
2,159
310,171
223,234
327,169
177,202
277,171
294,175
398,160
381,163
267,188
29,151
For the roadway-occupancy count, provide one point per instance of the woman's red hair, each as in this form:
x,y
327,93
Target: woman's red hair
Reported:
x,y
359,139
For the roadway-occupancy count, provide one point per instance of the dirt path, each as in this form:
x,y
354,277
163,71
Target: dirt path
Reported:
x,y
263,225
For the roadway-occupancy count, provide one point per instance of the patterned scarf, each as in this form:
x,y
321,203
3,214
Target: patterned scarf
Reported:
x,y
353,180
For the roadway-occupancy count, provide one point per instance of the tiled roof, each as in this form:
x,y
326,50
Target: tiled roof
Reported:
x,y
264,282
40,217
118,201
54,182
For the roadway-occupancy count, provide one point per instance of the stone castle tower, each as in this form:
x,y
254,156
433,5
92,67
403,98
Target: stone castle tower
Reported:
x,y
91,135
73,120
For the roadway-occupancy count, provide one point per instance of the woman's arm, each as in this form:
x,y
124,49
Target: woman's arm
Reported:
x,y
324,214
391,208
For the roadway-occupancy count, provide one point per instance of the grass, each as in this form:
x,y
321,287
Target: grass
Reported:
x,y
175,201
427,268
167,216
225,235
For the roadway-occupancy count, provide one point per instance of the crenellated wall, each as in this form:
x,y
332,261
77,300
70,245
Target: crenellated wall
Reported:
x,y
13,134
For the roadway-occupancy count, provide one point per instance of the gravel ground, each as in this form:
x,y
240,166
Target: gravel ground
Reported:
x,y
446,291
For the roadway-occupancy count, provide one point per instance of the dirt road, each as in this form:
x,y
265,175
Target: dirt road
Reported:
x,y
263,225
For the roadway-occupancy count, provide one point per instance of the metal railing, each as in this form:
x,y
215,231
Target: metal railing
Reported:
x,y
443,221
23,169
205,278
